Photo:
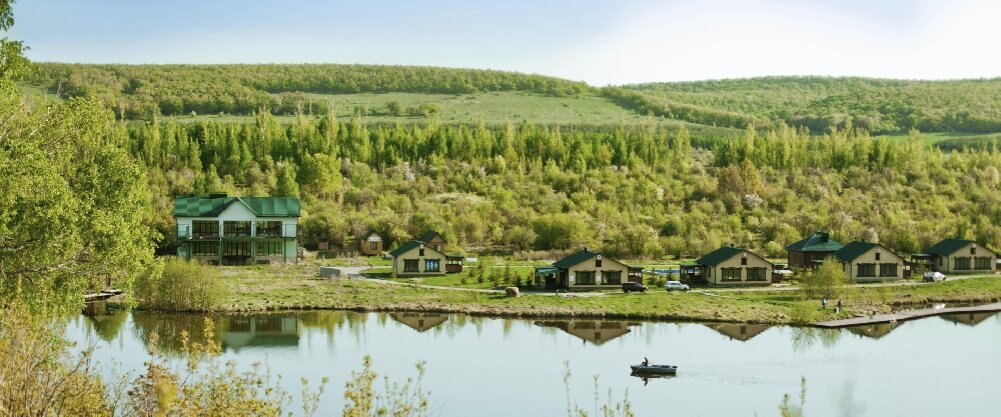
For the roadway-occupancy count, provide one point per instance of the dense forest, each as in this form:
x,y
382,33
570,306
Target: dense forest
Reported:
x,y
820,103
142,91
634,191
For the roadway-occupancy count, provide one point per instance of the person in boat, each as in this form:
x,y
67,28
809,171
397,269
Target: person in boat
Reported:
x,y
646,361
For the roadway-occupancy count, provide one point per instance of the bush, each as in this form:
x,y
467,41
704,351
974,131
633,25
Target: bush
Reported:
x,y
178,285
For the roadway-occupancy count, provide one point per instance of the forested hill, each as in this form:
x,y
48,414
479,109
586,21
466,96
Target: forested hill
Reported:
x,y
818,103
139,91
878,105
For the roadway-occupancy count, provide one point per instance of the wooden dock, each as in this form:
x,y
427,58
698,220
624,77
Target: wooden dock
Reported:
x,y
906,315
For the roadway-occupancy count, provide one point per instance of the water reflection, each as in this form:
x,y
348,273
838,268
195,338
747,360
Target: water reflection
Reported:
x,y
594,331
969,319
271,331
873,331
741,332
647,377
419,321
165,329
108,326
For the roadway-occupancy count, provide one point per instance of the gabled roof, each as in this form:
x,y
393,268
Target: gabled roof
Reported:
x,y
853,250
406,247
214,205
575,258
720,255
430,234
818,242
948,246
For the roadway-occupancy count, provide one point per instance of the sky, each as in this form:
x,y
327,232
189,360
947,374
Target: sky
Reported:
x,y
601,42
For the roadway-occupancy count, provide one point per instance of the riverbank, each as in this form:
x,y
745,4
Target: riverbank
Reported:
x,y
275,288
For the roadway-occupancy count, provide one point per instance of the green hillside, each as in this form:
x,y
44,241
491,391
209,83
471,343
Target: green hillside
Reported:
x,y
818,103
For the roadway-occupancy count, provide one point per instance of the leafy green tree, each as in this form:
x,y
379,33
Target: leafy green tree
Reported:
x,y
828,281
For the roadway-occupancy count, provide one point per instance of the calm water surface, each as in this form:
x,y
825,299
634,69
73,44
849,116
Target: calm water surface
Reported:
x,y
940,366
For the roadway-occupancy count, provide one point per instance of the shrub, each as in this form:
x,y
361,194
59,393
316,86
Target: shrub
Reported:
x,y
178,285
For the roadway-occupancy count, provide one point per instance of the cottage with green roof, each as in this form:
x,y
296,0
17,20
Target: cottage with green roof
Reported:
x,y
734,266
957,255
222,230
816,247
417,258
869,262
586,270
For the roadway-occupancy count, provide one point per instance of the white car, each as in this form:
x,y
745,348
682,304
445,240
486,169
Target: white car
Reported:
x,y
675,286
933,277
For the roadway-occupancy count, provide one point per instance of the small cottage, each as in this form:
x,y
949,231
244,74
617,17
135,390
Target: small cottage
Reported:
x,y
957,255
816,247
434,240
585,269
415,258
734,266
869,262
371,245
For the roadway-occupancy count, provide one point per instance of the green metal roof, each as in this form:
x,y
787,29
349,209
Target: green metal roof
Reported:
x,y
428,235
818,242
406,247
853,250
575,258
719,255
546,269
213,206
948,246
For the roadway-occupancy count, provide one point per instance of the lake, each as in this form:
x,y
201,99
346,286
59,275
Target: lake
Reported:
x,y
479,366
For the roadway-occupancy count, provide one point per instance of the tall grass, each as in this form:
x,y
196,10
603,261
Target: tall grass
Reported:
x,y
178,285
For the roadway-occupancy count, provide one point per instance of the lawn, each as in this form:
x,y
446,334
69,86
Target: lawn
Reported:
x,y
492,108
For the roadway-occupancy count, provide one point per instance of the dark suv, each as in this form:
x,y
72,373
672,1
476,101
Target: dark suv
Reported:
x,y
633,286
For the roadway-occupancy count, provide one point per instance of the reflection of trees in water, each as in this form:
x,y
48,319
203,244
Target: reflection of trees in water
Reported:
x,y
169,326
805,337
108,326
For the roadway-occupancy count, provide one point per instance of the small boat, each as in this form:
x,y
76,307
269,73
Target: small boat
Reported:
x,y
654,369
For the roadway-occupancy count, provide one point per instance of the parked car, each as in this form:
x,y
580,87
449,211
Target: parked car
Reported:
x,y
933,277
633,286
675,286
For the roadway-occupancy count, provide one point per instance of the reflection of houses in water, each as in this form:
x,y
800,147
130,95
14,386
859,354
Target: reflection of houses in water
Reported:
x,y
594,331
741,332
268,331
874,331
969,319
419,321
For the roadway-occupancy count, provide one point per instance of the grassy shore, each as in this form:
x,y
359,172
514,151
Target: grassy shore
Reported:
x,y
298,287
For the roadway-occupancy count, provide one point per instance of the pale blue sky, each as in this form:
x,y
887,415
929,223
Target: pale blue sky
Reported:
x,y
598,41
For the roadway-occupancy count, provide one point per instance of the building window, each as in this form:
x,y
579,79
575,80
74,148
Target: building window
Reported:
x,y
240,248
984,262
268,248
437,247
597,263
612,277
432,265
372,246
420,252
973,251
204,249
743,260
888,270
939,261
236,228
962,263
757,274
269,229
410,265
204,228
866,270
877,256
585,278
731,274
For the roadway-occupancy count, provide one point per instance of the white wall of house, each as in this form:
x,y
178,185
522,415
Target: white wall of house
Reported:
x,y
947,264
714,273
414,254
869,257
601,273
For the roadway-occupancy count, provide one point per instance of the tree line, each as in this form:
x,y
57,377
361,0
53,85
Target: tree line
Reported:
x,y
634,191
